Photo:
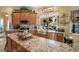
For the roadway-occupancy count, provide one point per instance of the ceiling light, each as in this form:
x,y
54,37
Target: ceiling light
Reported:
x,y
6,14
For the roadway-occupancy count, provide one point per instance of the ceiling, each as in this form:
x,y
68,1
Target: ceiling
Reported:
x,y
9,9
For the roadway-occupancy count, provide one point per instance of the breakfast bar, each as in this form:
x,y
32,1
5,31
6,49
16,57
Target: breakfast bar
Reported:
x,y
34,44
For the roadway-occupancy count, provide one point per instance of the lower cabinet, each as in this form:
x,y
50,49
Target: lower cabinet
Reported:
x,y
35,32
52,36
43,35
8,45
56,36
60,37
12,46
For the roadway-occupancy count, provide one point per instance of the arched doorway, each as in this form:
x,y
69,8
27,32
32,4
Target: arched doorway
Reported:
x,y
1,25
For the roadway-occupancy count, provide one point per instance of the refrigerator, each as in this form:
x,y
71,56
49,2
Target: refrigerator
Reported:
x,y
75,28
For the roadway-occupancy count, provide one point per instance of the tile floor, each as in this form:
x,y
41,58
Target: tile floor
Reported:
x,y
2,42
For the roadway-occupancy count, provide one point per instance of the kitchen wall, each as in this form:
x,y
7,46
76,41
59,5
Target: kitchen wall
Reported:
x,y
65,10
61,10
2,15
6,10
72,8
43,12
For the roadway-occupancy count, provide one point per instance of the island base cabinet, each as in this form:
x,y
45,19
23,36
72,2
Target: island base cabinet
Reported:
x,y
8,45
12,46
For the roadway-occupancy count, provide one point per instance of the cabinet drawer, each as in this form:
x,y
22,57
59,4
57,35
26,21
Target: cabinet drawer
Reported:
x,y
41,35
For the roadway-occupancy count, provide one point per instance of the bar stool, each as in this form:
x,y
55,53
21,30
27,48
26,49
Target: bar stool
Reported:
x,y
69,41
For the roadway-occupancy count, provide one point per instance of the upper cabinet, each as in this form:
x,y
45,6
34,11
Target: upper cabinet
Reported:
x,y
15,18
18,16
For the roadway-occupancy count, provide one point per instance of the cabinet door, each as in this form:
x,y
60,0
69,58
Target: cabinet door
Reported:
x,y
14,46
16,18
51,35
8,44
59,37
26,17
32,18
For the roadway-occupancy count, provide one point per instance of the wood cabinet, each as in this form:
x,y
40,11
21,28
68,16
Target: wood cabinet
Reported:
x,y
8,46
12,46
15,18
56,36
42,35
32,18
60,37
18,16
52,35
35,32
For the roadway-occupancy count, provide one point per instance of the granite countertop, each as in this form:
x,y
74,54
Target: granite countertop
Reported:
x,y
54,31
39,44
48,31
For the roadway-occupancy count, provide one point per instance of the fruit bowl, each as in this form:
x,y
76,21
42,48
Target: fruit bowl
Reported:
x,y
23,36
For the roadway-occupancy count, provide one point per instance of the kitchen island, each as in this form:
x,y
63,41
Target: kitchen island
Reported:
x,y
34,44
